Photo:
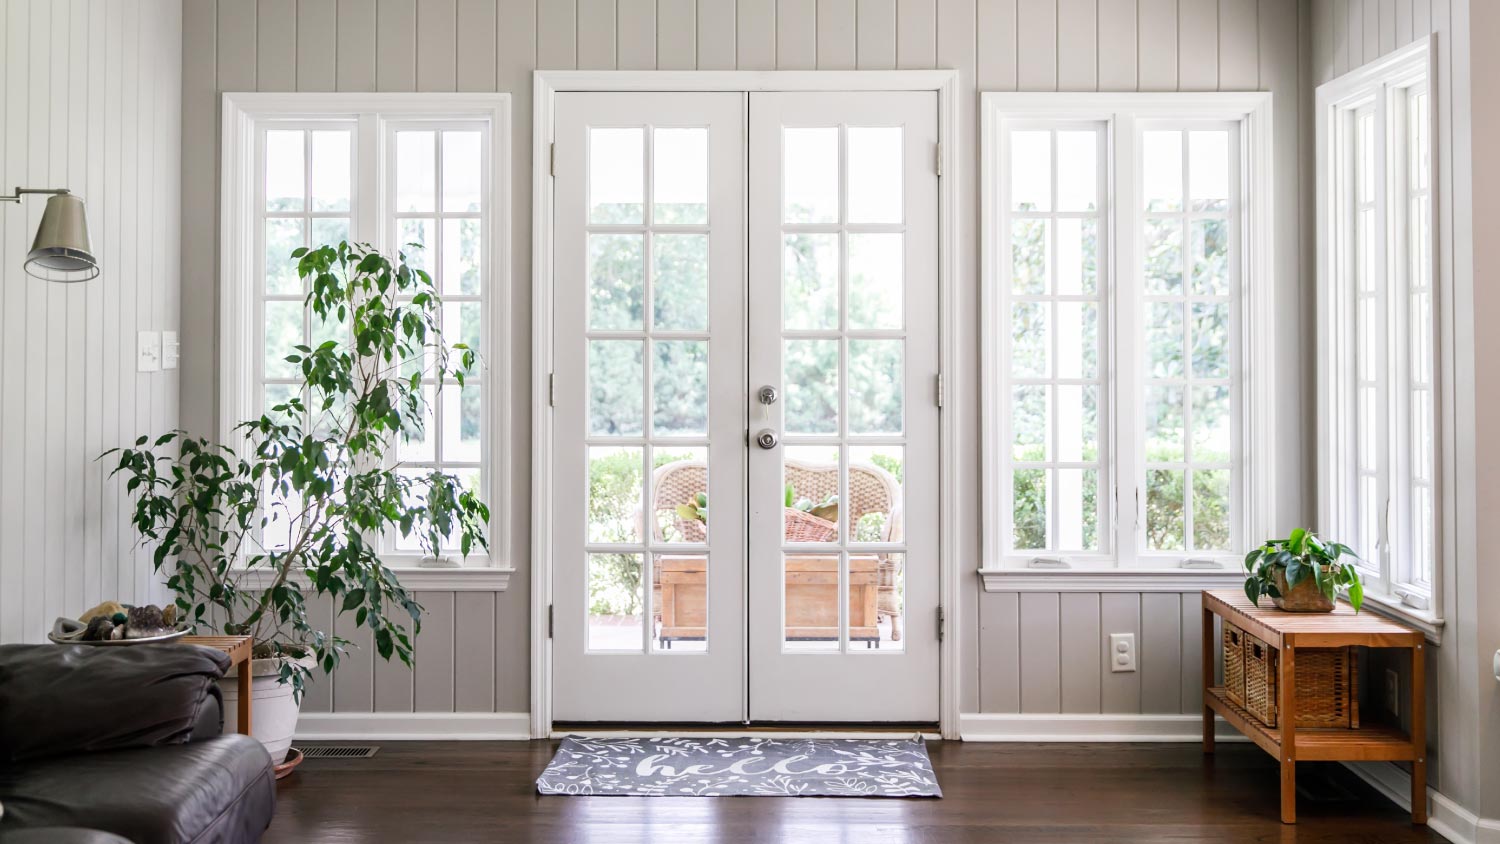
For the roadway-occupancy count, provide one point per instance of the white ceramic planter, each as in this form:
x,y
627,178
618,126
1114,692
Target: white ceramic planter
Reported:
x,y
273,710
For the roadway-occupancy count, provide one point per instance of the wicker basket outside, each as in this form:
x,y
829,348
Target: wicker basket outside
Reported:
x,y
1327,685
805,527
1234,663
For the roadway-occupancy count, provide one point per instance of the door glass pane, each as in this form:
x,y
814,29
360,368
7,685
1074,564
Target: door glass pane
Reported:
x,y
679,282
1031,171
679,494
617,281
616,377
330,170
810,493
283,236
462,171
680,602
461,256
285,170
616,604
875,274
680,176
1078,173
876,394
890,603
679,388
875,478
616,495
810,175
811,607
812,386
810,281
617,178
416,175
875,174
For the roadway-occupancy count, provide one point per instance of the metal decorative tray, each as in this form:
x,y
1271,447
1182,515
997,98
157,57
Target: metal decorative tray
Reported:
x,y
65,631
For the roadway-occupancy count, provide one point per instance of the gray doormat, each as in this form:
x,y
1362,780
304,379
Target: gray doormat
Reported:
x,y
747,767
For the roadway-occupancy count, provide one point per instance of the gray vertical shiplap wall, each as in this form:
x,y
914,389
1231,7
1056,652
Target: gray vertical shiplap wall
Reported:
x,y
89,98
1347,34
1108,45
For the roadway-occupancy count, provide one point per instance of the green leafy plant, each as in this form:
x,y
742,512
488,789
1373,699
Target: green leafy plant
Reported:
x,y
1300,556
697,509
317,472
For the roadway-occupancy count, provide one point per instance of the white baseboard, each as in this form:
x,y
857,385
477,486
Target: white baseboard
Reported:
x,y
1444,816
1062,728
414,726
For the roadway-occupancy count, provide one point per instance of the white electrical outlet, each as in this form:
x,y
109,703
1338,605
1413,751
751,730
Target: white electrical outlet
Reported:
x,y
1393,692
1122,652
169,350
148,351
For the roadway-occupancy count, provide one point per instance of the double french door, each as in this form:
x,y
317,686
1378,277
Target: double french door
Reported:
x,y
745,428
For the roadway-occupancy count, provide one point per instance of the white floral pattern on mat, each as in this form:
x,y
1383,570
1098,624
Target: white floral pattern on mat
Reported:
x,y
717,767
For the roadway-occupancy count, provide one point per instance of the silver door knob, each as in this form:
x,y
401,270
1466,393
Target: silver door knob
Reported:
x,y
768,394
766,438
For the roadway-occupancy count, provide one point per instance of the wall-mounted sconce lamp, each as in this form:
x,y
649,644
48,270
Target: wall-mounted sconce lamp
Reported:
x,y
61,251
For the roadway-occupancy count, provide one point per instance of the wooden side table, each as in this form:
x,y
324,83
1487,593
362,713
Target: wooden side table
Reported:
x,y
1285,632
238,648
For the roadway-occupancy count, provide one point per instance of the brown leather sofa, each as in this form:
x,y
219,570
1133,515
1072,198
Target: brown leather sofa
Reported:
x,y
125,741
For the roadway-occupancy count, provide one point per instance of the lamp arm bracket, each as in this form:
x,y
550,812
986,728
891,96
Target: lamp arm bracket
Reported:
x,y
20,192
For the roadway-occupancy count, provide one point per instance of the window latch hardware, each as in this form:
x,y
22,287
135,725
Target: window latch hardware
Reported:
x,y
1048,563
1201,563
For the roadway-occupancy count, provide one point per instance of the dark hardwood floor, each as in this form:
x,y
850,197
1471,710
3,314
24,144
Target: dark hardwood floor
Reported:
x,y
484,791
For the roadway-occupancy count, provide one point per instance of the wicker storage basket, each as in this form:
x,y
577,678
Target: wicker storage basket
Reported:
x,y
805,527
1234,663
1327,685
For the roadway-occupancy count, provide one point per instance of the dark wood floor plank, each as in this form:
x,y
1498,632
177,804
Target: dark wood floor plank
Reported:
x,y
442,792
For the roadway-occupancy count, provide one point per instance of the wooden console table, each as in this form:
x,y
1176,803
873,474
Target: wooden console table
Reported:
x,y
238,648
1285,632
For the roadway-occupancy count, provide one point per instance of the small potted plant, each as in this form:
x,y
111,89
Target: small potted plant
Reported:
x,y
1303,573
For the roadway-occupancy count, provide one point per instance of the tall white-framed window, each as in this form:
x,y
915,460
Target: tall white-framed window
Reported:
x,y
388,170
1380,479
1126,247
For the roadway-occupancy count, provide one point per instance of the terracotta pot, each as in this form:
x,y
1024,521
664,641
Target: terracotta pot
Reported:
x,y
273,710
1304,597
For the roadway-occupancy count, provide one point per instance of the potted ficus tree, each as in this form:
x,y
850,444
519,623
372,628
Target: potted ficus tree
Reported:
x,y
1303,573
317,473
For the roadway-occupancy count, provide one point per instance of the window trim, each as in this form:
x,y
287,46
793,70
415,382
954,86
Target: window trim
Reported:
x,y
1413,66
1252,111
244,116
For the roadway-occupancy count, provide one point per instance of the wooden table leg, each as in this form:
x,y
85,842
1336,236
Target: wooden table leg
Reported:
x,y
1286,717
1208,680
1419,734
244,701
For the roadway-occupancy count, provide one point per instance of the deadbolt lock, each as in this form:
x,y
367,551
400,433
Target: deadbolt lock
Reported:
x,y
766,438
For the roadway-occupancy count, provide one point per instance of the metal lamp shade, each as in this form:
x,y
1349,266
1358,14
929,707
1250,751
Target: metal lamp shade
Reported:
x,y
61,251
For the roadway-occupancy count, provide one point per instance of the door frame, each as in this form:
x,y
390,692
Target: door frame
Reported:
x,y
546,85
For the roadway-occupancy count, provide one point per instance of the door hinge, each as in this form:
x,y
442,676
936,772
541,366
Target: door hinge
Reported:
x,y
940,159
939,390
551,389
549,621
942,624
552,158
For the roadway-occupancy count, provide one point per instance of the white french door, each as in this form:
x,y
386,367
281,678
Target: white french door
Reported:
x,y
745,452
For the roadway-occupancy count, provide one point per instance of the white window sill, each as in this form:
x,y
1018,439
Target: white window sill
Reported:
x,y
1391,607
1110,579
471,578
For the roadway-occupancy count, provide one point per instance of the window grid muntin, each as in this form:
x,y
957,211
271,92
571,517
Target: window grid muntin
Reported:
x,y
1052,466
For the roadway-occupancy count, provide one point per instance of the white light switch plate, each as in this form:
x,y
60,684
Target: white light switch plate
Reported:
x,y
148,351
1122,652
169,350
